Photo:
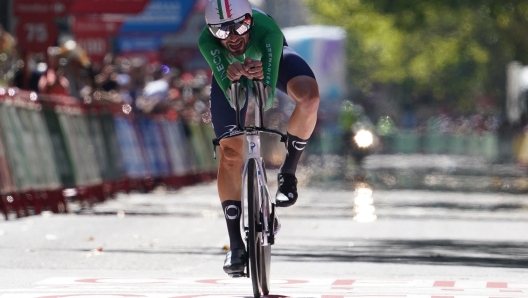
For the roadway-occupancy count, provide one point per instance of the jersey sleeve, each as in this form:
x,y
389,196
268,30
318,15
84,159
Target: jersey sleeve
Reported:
x,y
272,47
216,57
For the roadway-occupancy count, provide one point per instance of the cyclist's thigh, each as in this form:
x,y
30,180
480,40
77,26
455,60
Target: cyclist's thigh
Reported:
x,y
223,116
291,66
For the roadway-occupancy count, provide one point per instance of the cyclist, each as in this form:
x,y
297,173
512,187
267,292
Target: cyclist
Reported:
x,y
240,41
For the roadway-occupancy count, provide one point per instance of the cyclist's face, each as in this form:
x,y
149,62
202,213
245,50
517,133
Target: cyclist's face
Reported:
x,y
236,44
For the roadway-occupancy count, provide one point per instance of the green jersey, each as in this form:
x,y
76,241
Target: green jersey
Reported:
x,y
265,44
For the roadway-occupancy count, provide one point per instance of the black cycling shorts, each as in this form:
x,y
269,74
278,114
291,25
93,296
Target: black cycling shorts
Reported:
x,y
224,116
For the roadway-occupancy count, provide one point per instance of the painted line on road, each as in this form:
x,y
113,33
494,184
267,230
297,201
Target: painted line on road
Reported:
x,y
162,287
445,284
247,294
302,282
497,285
344,282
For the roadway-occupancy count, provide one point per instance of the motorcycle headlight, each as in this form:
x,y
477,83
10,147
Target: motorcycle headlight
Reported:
x,y
364,138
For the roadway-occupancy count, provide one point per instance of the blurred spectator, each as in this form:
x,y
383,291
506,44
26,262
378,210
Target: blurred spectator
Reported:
x,y
123,83
107,79
7,41
10,62
53,80
77,69
155,96
36,68
137,75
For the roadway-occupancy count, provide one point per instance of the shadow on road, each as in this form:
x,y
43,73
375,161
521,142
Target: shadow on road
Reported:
x,y
419,252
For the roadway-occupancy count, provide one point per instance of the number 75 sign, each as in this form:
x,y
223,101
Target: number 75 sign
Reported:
x,y
36,34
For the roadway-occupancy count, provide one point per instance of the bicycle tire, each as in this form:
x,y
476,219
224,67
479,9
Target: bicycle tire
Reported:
x,y
254,243
265,267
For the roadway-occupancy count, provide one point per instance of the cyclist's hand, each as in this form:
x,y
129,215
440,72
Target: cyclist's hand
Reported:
x,y
236,70
254,69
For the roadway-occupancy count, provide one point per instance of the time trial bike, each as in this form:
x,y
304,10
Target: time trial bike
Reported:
x,y
258,222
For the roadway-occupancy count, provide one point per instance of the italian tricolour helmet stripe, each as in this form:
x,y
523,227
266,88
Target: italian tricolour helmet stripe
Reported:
x,y
224,10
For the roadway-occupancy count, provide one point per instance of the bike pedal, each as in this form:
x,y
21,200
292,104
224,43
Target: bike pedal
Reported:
x,y
237,275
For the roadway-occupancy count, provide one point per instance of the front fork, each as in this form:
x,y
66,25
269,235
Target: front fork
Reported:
x,y
265,198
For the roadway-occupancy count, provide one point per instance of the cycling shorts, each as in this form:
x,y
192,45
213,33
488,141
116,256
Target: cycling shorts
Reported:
x,y
223,116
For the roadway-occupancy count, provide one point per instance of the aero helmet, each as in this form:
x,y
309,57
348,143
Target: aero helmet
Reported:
x,y
222,11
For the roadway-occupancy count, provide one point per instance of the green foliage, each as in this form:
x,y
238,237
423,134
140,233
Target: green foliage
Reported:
x,y
451,51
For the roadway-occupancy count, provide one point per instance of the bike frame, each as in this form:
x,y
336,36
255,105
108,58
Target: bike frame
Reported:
x,y
252,134
253,142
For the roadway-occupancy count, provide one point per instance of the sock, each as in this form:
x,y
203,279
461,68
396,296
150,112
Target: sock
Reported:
x,y
232,216
294,148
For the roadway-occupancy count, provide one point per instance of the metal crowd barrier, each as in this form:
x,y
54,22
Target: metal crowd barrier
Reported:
x,y
55,150
483,144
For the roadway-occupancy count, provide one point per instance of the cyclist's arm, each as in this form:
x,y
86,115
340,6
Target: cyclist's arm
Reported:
x,y
272,46
216,58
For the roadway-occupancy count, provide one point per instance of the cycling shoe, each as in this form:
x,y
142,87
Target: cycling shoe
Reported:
x,y
287,192
235,262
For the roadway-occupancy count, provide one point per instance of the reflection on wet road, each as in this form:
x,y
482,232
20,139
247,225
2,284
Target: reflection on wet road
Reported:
x,y
364,209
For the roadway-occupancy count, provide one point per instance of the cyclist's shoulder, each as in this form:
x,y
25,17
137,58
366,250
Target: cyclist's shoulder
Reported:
x,y
264,22
205,37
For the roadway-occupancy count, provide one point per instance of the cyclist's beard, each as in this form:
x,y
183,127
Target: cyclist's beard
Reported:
x,y
236,44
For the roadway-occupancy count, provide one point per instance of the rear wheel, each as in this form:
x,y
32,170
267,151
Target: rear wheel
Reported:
x,y
254,244
265,263
265,252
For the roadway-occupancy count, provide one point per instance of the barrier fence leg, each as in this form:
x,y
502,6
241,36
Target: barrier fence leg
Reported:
x,y
86,197
35,201
25,202
14,201
99,193
63,206
43,200
56,201
3,207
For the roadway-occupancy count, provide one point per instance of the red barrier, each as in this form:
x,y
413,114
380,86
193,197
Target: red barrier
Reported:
x,y
37,193
55,145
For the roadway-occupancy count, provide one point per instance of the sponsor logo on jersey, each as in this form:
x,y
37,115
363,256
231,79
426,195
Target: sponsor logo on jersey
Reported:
x,y
217,60
267,79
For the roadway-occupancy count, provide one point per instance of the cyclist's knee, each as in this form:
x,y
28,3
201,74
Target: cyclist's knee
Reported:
x,y
305,91
232,151
311,103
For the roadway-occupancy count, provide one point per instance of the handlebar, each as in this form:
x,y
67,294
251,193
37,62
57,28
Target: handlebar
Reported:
x,y
247,129
234,91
